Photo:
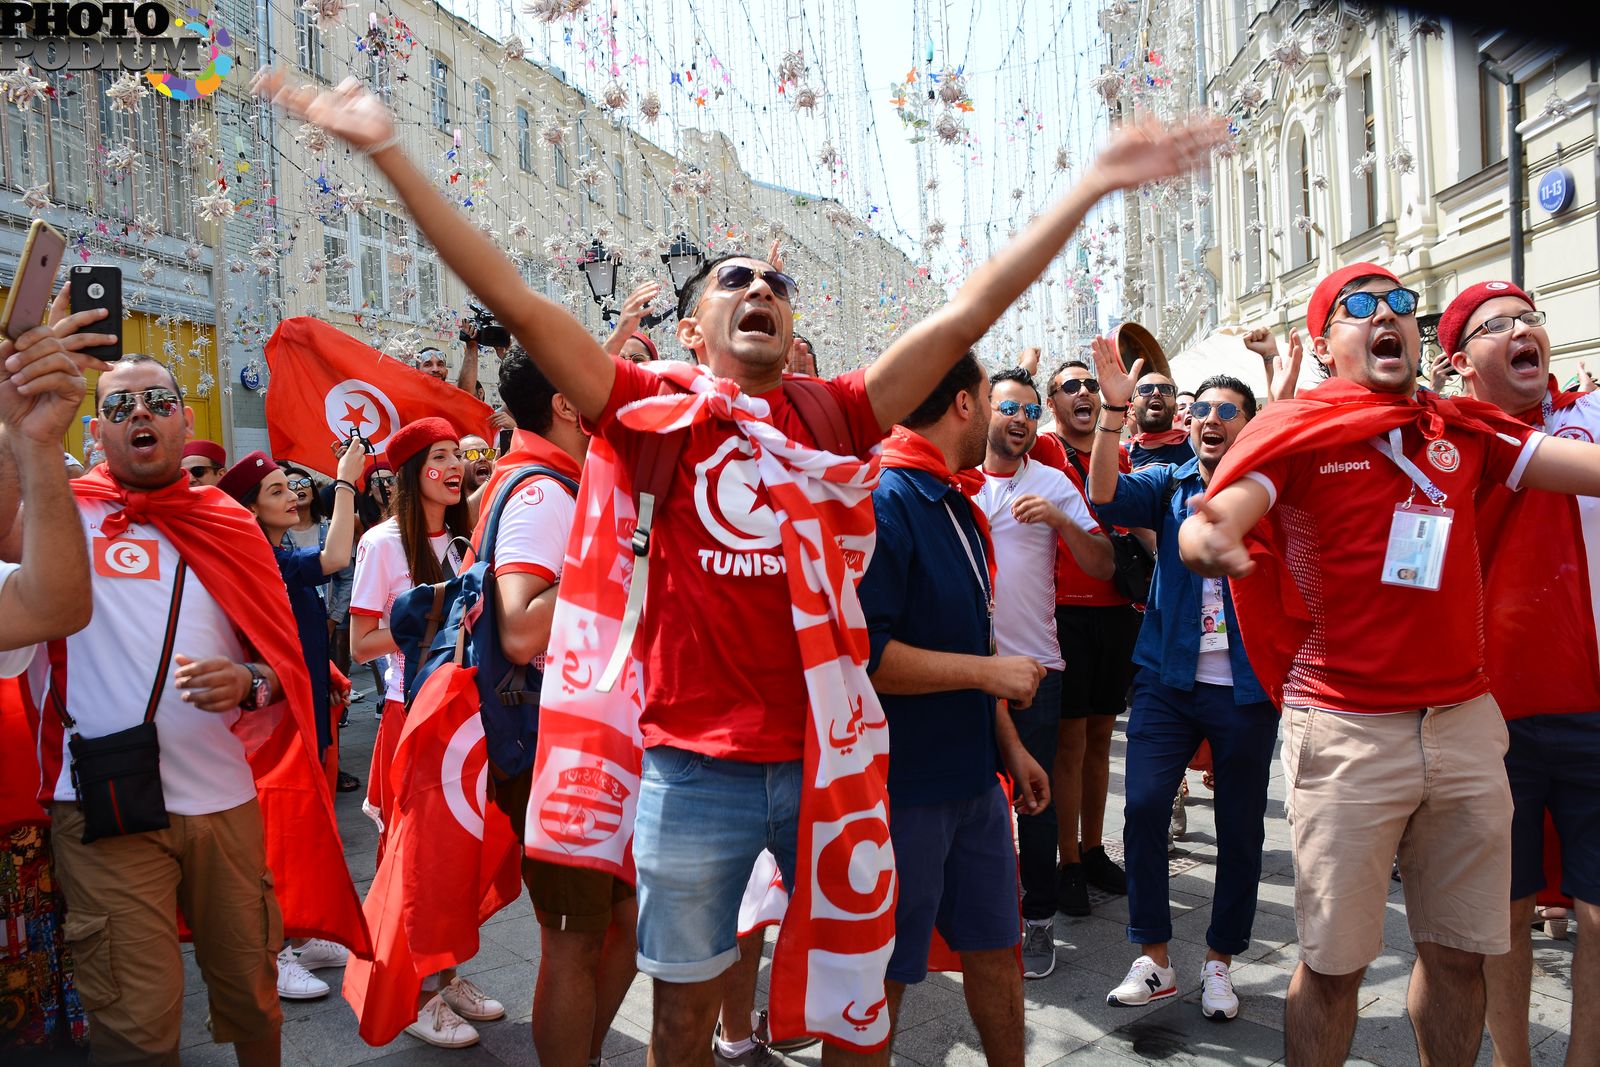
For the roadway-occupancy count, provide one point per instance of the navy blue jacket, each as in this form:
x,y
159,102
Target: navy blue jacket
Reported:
x,y
1169,640
920,589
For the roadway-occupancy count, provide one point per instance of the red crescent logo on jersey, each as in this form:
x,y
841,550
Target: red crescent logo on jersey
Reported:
x,y
534,494
1444,455
1575,433
127,557
728,498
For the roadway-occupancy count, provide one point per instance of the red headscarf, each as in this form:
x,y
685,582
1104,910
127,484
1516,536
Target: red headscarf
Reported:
x,y
223,546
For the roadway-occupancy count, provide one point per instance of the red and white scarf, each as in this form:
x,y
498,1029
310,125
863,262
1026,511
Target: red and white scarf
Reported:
x,y
828,965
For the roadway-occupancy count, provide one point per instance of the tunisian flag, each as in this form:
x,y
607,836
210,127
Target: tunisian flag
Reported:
x,y
326,384
424,907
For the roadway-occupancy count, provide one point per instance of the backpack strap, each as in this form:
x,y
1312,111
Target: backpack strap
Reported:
x,y
1171,488
819,409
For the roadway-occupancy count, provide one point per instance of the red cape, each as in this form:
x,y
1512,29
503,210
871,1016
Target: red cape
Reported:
x,y
225,549
908,450
1273,617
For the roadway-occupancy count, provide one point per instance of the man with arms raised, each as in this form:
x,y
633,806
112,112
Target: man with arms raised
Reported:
x,y
1541,564
1369,553
1032,510
724,718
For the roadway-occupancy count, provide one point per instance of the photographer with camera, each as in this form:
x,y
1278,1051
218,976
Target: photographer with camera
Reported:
x,y
480,329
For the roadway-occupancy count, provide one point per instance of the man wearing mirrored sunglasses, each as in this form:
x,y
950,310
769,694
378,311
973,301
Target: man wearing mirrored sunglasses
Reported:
x,y
184,583
1156,439
1032,508
1539,561
1359,498
1194,685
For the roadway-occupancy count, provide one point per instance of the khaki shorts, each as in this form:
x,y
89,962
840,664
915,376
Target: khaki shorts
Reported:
x,y
564,898
123,896
1428,786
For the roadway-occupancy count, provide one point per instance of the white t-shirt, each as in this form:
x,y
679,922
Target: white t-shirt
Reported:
x,y
382,574
1025,557
13,661
111,663
532,538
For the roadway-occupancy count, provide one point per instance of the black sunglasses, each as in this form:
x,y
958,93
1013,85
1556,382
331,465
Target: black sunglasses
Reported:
x,y
738,276
1503,324
1151,388
1362,305
1009,408
119,407
1070,386
201,470
1226,411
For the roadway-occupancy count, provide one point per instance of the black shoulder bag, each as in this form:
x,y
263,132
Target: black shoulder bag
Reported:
x,y
1135,565
118,776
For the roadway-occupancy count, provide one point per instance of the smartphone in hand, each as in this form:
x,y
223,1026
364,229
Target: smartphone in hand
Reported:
x,y
34,282
93,287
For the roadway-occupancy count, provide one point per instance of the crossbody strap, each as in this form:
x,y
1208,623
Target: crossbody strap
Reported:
x,y
58,658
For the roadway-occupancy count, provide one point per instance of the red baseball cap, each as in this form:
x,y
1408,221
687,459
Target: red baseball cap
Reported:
x,y
1327,292
414,437
1469,300
208,449
246,474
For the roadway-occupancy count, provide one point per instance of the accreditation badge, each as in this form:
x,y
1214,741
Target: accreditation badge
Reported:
x,y
1418,537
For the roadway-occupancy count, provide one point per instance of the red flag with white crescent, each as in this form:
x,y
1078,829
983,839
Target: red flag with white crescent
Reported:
x,y
326,384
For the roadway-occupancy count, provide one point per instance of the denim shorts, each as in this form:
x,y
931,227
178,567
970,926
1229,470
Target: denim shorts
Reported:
x,y
701,824
957,869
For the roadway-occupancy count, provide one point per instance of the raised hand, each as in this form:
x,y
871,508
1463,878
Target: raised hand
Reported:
x,y
1286,369
41,377
775,253
1116,384
350,112
352,461
1209,547
1586,382
1029,360
1150,150
1261,342
638,303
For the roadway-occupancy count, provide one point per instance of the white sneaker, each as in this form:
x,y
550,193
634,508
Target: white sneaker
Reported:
x,y
1146,981
439,1025
319,953
1218,1001
470,1002
295,982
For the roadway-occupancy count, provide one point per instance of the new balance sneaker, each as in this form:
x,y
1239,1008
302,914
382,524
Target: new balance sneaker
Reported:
x,y
764,1035
1218,1001
470,1002
1146,981
439,1025
1103,872
295,982
318,953
1072,890
1039,949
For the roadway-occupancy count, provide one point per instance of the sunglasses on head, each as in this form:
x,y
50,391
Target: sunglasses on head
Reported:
x,y
1362,305
1202,409
472,455
1503,324
202,470
119,407
296,484
1008,408
1070,386
738,276
1152,388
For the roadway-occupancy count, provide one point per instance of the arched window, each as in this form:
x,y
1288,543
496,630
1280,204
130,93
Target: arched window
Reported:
x,y
483,114
524,138
1299,199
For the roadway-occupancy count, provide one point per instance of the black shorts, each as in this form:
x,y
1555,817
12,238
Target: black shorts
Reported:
x,y
1097,645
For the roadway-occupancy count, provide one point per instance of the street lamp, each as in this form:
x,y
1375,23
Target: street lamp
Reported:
x,y
600,271
683,260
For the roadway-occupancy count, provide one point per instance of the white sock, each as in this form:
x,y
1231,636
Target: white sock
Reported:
x,y
737,1048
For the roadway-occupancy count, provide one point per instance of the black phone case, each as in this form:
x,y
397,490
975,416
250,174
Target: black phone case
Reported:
x,y
81,278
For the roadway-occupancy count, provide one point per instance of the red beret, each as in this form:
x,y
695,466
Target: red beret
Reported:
x,y
246,474
375,464
209,449
1471,299
644,339
417,436
1328,291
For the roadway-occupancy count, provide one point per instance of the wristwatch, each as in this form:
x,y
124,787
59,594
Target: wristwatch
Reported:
x,y
260,694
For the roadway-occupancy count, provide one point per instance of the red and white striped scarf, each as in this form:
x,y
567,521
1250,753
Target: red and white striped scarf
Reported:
x,y
828,965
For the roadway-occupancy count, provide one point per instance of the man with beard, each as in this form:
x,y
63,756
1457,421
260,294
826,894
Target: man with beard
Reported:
x,y
1096,626
1540,561
1358,500
928,596
1156,439
477,458
1031,509
1194,686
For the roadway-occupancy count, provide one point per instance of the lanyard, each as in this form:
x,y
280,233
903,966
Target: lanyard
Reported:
x,y
980,573
1393,449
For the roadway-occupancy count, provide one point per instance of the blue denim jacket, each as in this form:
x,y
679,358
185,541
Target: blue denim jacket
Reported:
x,y
1169,640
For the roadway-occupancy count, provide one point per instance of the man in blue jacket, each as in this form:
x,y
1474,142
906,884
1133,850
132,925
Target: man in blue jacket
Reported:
x,y
1194,684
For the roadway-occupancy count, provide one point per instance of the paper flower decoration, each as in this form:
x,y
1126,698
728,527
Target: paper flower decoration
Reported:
x,y
520,230
551,10
614,97
1108,84
197,140
1302,223
21,88
314,138
217,205
1332,92
149,269
806,99
126,92
949,129
1402,159
1365,165
36,198
1290,53
514,49
326,12
1250,93
792,67
194,252
1063,161
552,132
827,155
952,87
650,105
123,160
